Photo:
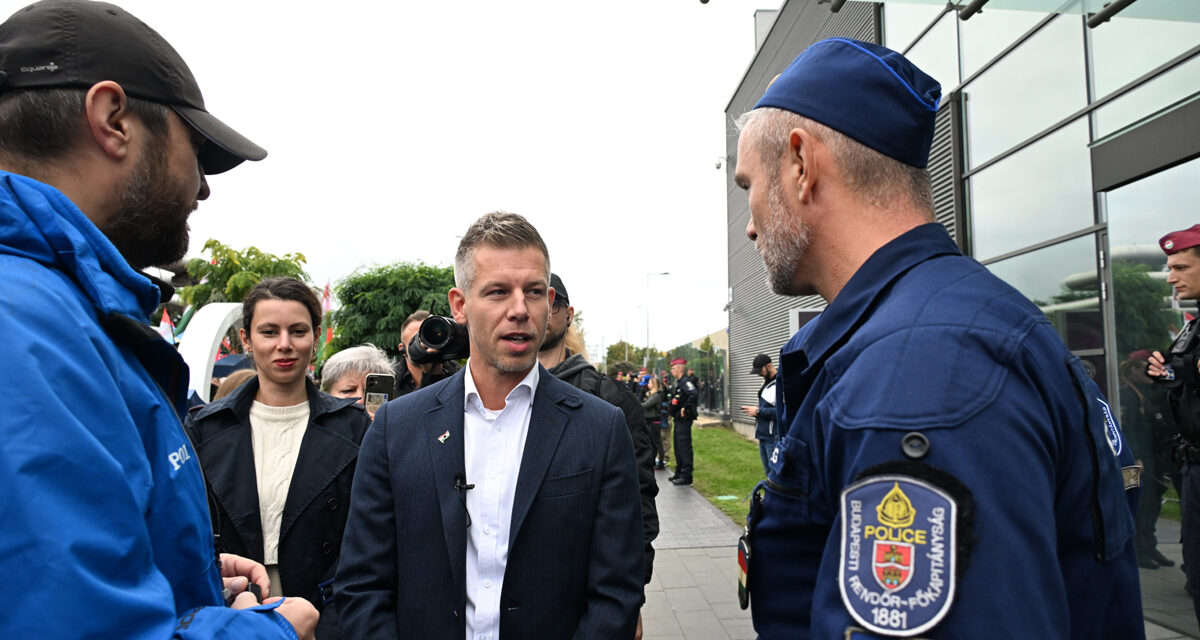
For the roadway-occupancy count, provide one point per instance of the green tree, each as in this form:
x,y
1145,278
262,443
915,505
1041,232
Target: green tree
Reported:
x,y
624,356
1141,320
375,302
228,274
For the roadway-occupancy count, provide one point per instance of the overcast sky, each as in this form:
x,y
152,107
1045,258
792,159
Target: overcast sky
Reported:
x,y
392,126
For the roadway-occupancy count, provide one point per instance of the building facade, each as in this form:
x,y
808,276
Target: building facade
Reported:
x,y
1061,154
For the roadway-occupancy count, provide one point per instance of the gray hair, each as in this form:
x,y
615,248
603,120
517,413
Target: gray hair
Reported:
x,y
363,359
499,229
42,125
876,178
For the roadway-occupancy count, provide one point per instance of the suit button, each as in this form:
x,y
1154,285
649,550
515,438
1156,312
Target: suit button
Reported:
x,y
327,547
331,504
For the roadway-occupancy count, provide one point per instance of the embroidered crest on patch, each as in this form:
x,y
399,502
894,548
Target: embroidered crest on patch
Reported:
x,y
1110,428
908,526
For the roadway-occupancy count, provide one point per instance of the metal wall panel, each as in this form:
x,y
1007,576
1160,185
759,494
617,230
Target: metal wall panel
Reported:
x,y
758,319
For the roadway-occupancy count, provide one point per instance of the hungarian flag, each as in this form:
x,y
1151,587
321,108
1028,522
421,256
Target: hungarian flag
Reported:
x,y
166,328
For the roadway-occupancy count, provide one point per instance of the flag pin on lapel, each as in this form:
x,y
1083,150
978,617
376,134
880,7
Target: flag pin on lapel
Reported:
x,y
444,437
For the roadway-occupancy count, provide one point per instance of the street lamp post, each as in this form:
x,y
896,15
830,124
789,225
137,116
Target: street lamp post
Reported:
x,y
646,356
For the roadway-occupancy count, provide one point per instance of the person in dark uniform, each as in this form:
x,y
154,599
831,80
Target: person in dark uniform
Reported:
x,y
683,410
1178,372
1143,419
946,468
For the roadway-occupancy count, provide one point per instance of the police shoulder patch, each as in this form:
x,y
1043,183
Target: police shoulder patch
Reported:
x,y
1110,428
898,563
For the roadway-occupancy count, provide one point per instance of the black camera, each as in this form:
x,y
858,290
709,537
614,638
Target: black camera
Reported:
x,y
443,334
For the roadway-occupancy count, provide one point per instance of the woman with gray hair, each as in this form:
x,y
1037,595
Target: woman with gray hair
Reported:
x,y
345,373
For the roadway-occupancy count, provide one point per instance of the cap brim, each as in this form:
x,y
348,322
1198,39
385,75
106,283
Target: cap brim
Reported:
x,y
226,148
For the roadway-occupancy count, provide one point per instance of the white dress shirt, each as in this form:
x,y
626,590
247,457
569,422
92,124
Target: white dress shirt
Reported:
x,y
493,444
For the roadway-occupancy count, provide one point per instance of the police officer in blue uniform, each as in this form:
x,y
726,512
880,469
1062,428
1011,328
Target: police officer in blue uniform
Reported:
x,y
1178,371
683,410
946,468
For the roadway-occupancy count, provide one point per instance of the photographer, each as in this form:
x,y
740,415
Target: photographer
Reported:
x,y
411,375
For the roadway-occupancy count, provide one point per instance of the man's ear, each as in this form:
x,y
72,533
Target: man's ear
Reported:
x,y
106,109
570,315
458,303
801,163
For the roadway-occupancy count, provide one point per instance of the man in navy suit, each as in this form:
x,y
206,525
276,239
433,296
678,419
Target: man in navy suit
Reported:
x,y
500,502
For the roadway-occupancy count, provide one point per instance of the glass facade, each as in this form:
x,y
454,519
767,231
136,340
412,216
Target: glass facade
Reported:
x,y
1039,92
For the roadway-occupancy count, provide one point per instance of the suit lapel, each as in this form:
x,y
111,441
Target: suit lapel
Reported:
x,y
443,435
547,422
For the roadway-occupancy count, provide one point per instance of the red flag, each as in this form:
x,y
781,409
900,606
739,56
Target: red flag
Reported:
x,y
166,328
224,350
328,335
327,301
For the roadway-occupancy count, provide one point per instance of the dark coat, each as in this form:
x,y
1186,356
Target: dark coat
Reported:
x,y
574,569
577,372
314,514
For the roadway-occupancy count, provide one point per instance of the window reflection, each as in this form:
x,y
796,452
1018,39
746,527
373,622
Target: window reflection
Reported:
x,y
1145,319
1126,48
1138,215
1167,89
984,36
1040,192
937,53
1062,280
902,23
1033,87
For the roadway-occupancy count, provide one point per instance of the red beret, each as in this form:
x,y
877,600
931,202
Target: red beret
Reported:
x,y
1177,241
678,361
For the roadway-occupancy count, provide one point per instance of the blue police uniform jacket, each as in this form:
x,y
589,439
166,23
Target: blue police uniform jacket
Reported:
x,y
925,351
106,526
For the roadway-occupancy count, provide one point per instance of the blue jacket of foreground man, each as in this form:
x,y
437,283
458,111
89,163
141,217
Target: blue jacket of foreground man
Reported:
x,y
946,468
106,525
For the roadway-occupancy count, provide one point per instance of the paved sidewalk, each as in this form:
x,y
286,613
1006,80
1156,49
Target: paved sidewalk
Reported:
x,y
694,591
693,595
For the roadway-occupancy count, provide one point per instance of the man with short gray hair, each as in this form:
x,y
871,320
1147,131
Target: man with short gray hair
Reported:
x,y
945,466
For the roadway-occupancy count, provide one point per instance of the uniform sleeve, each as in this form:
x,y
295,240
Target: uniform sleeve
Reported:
x,y
1013,428
75,546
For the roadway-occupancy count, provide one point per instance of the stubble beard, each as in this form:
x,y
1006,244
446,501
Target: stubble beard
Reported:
x,y
553,339
785,238
150,228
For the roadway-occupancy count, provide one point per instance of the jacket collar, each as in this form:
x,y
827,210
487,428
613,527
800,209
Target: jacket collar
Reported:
x,y
40,223
238,402
870,284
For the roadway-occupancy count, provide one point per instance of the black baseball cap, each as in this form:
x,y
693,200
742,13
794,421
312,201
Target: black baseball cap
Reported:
x,y
560,292
761,360
77,43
